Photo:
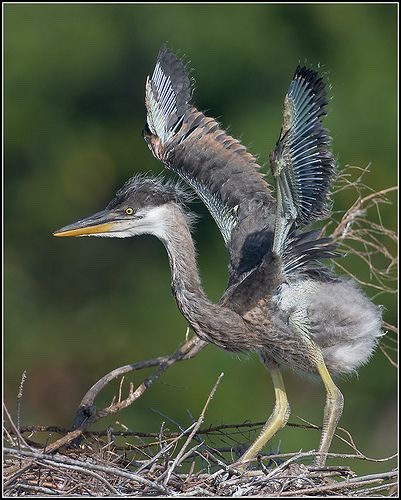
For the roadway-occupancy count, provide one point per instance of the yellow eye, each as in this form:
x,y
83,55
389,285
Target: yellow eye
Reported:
x,y
129,211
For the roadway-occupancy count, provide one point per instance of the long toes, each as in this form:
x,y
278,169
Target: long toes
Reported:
x,y
320,460
240,466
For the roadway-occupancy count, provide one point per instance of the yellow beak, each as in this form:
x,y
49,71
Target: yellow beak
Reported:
x,y
84,231
101,222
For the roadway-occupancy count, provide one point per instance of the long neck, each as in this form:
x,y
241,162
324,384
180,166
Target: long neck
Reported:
x,y
213,322
185,279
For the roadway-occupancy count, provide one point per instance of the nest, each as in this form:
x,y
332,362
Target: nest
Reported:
x,y
109,463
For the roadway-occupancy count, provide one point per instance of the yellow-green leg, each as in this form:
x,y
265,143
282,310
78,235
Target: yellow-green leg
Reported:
x,y
332,412
276,421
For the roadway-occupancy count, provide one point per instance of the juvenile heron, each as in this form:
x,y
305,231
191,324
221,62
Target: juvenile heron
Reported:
x,y
280,300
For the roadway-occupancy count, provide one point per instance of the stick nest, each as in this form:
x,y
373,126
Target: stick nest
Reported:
x,y
108,463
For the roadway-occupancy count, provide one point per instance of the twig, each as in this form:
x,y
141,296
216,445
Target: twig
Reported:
x,y
388,356
87,413
38,489
19,398
377,488
196,427
285,464
20,439
51,459
390,327
84,469
164,450
208,430
354,482
352,212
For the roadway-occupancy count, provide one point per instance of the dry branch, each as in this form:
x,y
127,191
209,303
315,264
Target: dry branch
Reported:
x,y
87,412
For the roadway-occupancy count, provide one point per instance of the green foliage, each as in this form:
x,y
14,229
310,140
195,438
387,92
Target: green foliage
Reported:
x,y
74,111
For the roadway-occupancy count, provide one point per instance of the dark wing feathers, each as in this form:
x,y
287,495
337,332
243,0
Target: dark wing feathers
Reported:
x,y
168,93
225,175
218,167
302,162
303,252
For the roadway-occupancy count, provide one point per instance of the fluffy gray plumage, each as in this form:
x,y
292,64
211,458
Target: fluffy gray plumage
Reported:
x,y
337,315
145,190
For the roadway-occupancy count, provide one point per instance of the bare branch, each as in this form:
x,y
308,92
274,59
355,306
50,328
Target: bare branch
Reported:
x,y
87,413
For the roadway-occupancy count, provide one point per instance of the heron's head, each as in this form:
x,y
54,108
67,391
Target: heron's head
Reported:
x,y
144,205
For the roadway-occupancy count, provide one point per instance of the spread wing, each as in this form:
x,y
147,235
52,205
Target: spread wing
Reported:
x,y
302,163
220,169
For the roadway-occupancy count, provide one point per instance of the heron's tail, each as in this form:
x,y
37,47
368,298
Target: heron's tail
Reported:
x,y
303,253
168,92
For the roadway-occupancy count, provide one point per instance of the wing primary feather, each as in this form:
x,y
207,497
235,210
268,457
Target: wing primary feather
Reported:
x,y
168,93
302,162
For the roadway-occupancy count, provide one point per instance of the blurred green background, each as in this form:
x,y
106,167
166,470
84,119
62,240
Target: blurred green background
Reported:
x,y
74,112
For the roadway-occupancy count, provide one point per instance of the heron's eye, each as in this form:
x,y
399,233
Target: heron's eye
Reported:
x,y
129,211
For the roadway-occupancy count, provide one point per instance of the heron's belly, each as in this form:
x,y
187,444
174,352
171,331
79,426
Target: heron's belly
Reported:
x,y
336,316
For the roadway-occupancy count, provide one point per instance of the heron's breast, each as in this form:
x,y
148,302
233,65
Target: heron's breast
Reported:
x,y
258,314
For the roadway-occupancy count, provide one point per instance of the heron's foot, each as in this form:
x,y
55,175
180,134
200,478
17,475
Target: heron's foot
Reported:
x,y
241,465
332,413
276,421
83,416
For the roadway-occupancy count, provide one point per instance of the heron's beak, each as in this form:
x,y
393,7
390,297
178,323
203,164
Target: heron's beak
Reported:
x,y
101,222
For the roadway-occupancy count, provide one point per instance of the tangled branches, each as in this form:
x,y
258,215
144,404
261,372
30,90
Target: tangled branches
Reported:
x,y
362,235
185,463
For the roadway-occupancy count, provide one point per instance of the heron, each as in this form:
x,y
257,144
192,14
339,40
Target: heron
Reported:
x,y
281,300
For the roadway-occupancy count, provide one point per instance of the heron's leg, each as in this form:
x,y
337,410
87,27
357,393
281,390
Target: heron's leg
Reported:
x,y
332,412
276,421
